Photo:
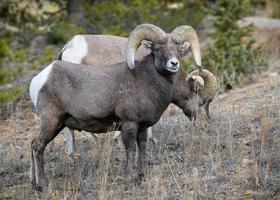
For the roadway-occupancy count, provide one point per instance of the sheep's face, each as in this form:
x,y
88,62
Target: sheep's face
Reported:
x,y
166,55
198,83
191,101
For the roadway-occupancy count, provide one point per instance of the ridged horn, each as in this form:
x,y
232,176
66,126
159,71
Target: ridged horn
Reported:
x,y
187,33
148,32
210,83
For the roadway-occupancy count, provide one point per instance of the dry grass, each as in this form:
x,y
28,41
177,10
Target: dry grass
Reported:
x,y
235,156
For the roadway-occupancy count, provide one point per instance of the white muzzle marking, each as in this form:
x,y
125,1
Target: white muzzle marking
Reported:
x,y
173,64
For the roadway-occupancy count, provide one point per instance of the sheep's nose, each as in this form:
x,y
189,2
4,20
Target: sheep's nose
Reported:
x,y
174,63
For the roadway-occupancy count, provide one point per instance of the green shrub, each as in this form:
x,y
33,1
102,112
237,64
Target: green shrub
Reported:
x,y
120,17
187,65
20,70
6,76
276,10
61,32
48,55
20,55
4,49
232,56
10,95
34,65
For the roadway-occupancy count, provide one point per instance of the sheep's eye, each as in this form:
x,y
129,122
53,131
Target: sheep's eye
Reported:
x,y
156,49
184,47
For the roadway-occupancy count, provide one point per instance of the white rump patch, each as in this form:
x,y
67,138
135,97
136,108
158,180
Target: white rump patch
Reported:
x,y
75,50
37,83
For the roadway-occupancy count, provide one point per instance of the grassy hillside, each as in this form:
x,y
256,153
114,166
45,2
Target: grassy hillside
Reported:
x,y
236,155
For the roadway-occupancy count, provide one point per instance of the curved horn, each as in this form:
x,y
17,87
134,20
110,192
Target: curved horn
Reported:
x,y
187,33
142,32
210,83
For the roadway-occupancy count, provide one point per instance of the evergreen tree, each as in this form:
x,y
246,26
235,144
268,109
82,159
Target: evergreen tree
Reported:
x,y
232,55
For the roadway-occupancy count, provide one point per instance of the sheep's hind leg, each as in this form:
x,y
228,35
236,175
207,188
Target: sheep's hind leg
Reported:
x,y
70,143
150,136
50,127
129,132
141,143
32,167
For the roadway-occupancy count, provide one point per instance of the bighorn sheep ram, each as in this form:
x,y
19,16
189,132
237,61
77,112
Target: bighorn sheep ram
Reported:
x,y
92,98
205,92
108,50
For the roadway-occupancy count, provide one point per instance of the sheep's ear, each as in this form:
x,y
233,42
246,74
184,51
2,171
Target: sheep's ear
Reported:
x,y
147,44
191,82
190,79
196,86
184,47
196,82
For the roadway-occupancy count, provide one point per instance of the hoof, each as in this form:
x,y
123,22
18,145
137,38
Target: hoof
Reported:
x,y
130,186
154,141
36,187
141,178
119,143
33,182
130,183
41,186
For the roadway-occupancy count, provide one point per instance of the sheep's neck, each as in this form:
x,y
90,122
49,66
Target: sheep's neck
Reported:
x,y
154,86
182,90
163,83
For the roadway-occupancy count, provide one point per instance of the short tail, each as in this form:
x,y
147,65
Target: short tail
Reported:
x,y
62,50
60,56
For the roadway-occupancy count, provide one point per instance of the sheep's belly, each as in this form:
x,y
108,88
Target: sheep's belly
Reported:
x,y
93,125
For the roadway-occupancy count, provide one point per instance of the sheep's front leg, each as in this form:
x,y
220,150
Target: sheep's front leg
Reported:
x,y
129,132
142,142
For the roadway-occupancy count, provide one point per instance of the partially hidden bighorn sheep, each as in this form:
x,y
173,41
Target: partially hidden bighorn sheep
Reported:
x,y
108,50
93,98
206,92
